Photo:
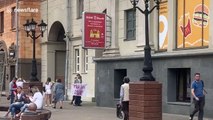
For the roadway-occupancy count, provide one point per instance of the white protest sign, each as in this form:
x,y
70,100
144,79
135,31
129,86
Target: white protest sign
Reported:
x,y
78,89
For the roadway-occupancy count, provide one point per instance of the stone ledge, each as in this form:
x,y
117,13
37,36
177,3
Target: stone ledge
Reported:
x,y
43,114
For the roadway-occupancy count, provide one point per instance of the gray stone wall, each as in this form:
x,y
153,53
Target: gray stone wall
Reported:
x,y
202,63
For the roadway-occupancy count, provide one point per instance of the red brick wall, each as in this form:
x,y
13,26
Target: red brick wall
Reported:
x,y
9,35
25,43
145,101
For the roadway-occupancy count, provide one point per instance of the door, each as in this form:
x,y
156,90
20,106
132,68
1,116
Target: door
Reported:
x,y
119,74
60,58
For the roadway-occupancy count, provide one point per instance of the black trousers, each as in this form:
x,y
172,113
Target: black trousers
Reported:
x,y
78,100
73,99
125,108
199,105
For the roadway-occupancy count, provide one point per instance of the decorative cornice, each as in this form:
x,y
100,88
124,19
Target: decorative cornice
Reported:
x,y
174,54
52,43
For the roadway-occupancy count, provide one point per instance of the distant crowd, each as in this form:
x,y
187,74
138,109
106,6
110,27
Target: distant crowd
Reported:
x,y
51,94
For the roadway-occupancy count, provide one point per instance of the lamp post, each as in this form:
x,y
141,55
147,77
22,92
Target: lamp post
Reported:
x,y
147,68
31,27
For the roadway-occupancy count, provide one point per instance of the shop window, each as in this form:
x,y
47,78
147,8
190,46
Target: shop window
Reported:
x,y
80,8
119,74
163,26
193,23
179,82
130,24
1,22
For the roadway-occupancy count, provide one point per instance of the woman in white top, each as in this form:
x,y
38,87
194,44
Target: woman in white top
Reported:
x,y
124,97
20,82
48,92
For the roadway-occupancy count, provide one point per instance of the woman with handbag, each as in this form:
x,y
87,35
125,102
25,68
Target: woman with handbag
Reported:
x,y
124,97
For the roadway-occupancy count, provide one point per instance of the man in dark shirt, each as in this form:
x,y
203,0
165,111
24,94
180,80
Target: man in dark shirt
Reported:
x,y
197,91
12,89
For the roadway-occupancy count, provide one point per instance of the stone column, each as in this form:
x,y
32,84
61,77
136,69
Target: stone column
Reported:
x,y
145,100
171,25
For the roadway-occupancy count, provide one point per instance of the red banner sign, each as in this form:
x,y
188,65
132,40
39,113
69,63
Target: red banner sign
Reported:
x,y
94,30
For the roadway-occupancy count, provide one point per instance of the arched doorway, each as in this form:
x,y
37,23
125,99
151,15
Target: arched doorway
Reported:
x,y
56,51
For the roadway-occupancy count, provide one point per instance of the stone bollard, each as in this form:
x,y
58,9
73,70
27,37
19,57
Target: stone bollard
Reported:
x,y
145,100
44,115
31,114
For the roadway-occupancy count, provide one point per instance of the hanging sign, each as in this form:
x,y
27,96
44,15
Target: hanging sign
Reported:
x,y
94,30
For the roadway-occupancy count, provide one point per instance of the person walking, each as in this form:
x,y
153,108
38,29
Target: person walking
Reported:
x,y
48,92
58,93
124,97
12,90
198,93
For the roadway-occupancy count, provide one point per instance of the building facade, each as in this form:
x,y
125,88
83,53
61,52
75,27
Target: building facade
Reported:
x,y
16,47
62,53
181,46
179,37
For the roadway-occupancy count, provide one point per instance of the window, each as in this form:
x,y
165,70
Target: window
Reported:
x,y
85,62
130,24
1,22
179,82
13,18
192,23
77,60
80,8
163,25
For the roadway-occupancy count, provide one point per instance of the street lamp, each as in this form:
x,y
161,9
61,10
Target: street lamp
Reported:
x,y
31,27
147,68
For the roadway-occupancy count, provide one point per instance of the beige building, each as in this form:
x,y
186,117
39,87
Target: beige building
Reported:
x,y
62,53
180,40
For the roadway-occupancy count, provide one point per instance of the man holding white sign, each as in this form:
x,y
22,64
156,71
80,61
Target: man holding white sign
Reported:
x,y
78,90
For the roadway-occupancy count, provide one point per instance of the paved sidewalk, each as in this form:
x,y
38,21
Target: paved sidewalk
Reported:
x,y
89,111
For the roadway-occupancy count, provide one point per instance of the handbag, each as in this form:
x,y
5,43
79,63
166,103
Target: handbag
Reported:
x,y
119,111
8,97
54,99
44,89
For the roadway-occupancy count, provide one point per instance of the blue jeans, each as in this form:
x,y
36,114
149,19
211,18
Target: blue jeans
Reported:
x,y
12,96
24,107
14,107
